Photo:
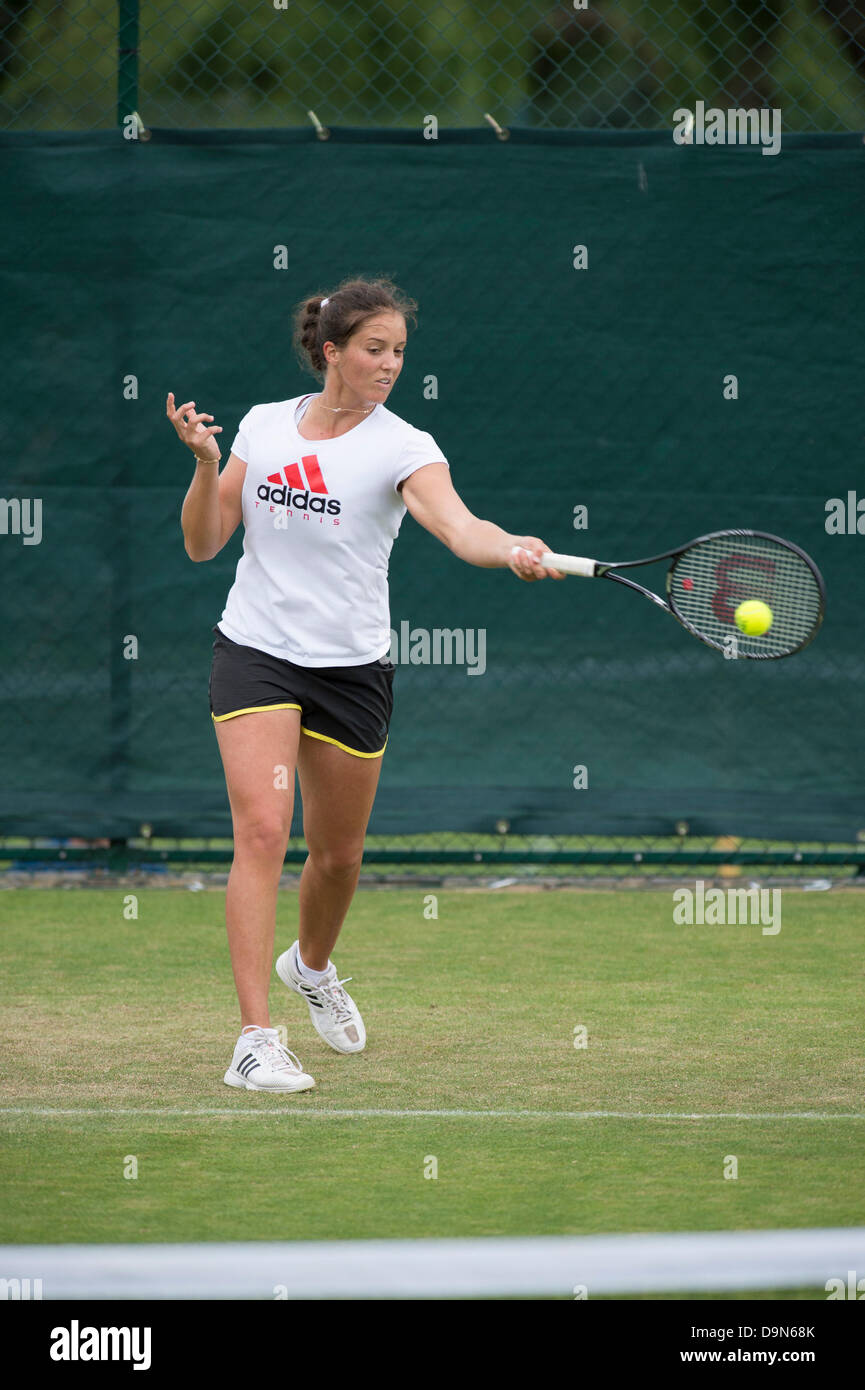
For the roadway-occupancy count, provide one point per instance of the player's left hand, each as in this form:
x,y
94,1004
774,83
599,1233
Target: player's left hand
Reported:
x,y
525,559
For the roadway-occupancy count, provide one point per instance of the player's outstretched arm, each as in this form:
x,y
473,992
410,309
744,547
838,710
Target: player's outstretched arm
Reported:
x,y
435,504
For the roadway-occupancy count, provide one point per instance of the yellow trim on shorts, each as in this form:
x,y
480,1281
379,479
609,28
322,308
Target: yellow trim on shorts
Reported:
x,y
253,709
355,753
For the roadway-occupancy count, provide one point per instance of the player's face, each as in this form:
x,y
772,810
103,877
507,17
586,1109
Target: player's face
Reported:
x,y
372,359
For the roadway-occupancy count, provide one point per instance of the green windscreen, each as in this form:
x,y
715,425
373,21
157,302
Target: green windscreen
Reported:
x,y
133,269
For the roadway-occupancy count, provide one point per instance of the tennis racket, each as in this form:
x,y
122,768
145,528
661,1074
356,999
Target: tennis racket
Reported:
x,y
710,576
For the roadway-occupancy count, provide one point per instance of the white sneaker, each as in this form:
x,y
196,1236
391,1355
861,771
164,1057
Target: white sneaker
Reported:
x,y
261,1063
334,1013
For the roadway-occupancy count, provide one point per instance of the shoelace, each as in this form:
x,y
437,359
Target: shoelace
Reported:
x,y
337,1000
279,1057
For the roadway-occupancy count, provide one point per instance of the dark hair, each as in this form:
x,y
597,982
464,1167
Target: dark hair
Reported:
x,y
348,306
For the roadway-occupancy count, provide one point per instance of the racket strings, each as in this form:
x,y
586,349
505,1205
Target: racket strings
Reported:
x,y
711,579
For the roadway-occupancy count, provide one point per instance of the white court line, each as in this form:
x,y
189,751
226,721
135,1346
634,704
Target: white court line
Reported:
x,y
491,1266
289,1112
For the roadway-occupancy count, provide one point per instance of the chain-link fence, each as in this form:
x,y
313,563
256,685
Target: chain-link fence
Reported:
x,y
78,64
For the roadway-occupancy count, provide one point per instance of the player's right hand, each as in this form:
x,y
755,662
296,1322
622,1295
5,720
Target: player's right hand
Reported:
x,y
191,429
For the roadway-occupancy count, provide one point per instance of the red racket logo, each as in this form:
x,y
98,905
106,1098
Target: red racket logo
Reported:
x,y
730,592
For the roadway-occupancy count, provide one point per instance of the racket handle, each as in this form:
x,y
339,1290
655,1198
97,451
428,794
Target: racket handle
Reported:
x,y
569,564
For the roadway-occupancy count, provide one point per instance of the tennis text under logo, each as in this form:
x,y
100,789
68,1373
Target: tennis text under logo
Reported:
x,y
756,907
440,646
76,1343
291,489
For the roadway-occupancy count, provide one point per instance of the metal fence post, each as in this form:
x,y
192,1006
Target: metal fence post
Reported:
x,y
127,58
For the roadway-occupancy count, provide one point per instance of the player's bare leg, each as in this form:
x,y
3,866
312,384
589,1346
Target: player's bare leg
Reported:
x,y
254,747
338,791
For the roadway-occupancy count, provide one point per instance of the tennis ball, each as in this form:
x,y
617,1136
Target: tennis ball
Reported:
x,y
753,617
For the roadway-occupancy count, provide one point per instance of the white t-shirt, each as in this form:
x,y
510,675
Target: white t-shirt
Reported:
x,y
320,517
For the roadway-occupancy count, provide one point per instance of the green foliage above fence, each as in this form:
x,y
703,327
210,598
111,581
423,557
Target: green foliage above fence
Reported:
x,y
625,65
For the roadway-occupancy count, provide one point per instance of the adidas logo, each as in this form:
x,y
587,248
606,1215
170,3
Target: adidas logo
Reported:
x,y
311,992
291,489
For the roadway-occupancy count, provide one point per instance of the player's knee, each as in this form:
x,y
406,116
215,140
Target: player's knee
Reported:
x,y
338,861
263,837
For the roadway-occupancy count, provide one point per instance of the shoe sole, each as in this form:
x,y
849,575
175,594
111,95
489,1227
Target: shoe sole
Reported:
x,y
283,973
233,1078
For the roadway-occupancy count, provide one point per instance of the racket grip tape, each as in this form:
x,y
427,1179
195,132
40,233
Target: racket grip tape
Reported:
x,y
569,564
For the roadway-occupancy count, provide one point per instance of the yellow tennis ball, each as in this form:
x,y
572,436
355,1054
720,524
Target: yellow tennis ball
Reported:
x,y
753,617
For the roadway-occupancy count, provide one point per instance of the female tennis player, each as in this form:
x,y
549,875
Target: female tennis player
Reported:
x,y
301,678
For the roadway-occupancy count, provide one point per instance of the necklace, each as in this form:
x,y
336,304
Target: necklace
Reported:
x,y
355,409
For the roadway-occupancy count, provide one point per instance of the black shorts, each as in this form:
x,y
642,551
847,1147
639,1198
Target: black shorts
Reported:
x,y
346,705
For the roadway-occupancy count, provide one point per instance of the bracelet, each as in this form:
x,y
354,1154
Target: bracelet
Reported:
x,y
218,458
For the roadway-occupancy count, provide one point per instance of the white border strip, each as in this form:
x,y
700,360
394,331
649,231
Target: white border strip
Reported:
x,y
291,1109
491,1267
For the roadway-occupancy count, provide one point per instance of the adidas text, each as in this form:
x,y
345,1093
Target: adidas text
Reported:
x,y
284,497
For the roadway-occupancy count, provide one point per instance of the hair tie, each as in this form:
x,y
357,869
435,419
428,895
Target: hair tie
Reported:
x,y
323,302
